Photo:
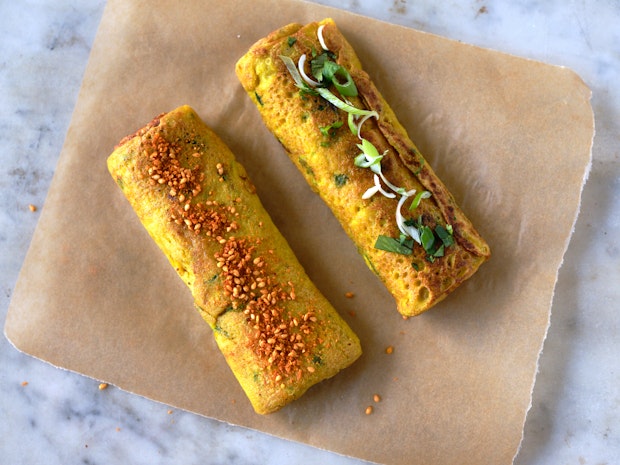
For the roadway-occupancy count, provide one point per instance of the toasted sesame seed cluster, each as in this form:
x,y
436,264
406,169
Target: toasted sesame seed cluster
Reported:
x,y
276,338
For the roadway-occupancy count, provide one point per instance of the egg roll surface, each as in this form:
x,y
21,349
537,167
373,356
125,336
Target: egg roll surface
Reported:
x,y
278,333
317,137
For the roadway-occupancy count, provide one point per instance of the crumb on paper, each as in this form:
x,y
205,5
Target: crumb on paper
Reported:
x,y
169,412
103,386
24,383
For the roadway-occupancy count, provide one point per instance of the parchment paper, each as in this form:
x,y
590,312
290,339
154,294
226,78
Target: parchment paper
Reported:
x,y
511,138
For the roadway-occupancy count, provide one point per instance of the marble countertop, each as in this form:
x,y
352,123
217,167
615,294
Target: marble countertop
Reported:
x,y
51,416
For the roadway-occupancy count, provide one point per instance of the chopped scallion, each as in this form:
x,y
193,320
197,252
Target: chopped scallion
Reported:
x,y
335,101
416,200
389,244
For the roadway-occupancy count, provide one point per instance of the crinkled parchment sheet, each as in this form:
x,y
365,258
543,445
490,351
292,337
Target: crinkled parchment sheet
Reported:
x,y
511,138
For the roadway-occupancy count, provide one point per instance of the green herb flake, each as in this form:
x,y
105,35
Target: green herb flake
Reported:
x,y
427,238
389,244
327,130
258,99
340,179
445,236
291,41
306,166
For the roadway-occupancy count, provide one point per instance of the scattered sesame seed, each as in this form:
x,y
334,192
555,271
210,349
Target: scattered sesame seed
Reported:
x,y
376,398
247,281
349,295
24,383
32,208
389,350
368,410
103,386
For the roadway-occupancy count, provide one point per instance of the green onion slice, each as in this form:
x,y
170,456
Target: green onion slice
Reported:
x,y
351,123
292,69
346,89
335,101
301,65
319,34
416,200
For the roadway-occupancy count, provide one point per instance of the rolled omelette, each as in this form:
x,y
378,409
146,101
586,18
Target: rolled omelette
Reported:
x,y
313,95
277,332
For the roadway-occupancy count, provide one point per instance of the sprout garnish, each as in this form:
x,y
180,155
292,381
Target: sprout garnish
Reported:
x,y
327,72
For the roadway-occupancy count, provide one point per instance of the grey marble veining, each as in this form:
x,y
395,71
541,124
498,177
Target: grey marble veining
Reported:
x,y
60,417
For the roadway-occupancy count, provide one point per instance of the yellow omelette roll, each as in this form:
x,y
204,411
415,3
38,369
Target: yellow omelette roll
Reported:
x,y
313,95
277,332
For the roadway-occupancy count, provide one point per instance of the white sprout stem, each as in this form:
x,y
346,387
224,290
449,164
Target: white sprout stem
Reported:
x,y
301,64
399,217
362,121
389,195
370,192
319,34
400,221
398,190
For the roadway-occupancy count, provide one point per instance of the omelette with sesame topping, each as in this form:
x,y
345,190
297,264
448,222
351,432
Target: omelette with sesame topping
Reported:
x,y
277,332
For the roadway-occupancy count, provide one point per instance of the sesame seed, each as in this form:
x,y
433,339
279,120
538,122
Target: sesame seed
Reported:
x,y
277,337
368,410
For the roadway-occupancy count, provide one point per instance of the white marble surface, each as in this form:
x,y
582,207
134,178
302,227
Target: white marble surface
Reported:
x,y
63,418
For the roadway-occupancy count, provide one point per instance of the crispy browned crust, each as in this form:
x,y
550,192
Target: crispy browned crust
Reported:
x,y
296,120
